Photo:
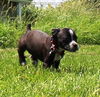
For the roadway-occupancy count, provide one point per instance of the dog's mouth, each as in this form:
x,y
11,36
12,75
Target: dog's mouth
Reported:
x,y
71,49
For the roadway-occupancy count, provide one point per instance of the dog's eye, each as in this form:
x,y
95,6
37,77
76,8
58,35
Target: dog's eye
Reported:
x,y
66,40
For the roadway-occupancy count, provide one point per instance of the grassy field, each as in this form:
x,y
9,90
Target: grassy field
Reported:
x,y
79,76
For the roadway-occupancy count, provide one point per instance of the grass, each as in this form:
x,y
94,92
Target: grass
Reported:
x,y
79,76
80,71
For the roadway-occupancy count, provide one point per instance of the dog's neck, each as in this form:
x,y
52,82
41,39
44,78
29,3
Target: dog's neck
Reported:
x,y
54,44
55,48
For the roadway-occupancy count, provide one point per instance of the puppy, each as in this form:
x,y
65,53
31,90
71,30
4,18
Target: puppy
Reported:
x,y
48,49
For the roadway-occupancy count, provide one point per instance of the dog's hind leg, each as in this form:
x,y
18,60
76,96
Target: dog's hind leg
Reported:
x,y
34,61
21,56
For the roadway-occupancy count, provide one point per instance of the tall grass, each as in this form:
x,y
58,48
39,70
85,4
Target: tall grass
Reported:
x,y
9,33
11,28
83,17
76,14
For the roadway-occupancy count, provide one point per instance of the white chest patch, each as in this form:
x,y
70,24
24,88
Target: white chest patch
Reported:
x,y
57,57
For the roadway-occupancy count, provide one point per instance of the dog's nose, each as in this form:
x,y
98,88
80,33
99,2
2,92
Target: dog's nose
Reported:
x,y
75,45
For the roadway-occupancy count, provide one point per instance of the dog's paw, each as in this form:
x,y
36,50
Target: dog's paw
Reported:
x,y
23,63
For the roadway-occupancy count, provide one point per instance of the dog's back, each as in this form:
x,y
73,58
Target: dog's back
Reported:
x,y
34,41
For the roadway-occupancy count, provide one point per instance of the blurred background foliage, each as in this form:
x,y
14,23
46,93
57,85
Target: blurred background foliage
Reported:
x,y
81,15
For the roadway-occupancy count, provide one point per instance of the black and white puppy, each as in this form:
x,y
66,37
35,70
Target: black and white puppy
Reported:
x,y
48,49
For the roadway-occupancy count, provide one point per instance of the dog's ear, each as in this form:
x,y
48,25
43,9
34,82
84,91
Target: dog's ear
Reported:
x,y
55,31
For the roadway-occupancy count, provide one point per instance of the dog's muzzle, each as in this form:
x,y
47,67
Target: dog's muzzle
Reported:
x,y
72,47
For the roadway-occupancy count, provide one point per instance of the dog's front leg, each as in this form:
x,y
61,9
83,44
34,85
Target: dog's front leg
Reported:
x,y
49,60
56,64
46,65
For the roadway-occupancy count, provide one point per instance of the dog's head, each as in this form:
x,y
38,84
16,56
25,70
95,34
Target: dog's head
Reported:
x,y
65,39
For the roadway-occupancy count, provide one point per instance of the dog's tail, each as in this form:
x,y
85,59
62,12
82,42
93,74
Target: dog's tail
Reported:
x,y
28,27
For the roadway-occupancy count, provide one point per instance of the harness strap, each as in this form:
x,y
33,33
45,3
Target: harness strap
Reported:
x,y
54,47
53,51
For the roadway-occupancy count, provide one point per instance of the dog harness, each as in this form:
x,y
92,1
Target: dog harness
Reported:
x,y
55,54
54,48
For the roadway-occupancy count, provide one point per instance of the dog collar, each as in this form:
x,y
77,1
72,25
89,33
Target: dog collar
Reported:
x,y
53,44
54,48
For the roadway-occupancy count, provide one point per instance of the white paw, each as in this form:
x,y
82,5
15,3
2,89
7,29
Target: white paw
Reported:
x,y
23,63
